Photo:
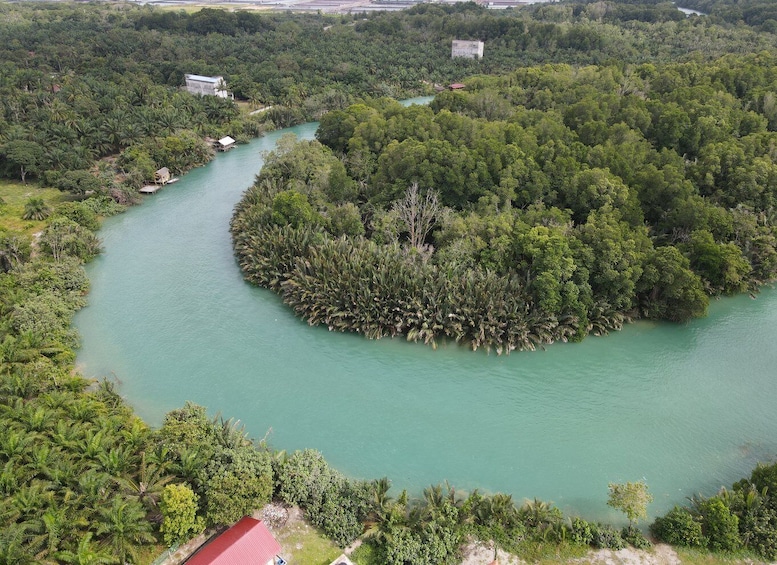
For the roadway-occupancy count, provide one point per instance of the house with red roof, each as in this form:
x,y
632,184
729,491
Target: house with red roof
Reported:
x,y
248,542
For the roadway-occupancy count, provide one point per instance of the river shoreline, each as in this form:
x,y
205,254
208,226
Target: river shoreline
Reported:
x,y
607,409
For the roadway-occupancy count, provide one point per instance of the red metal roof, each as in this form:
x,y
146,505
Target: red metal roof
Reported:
x,y
248,542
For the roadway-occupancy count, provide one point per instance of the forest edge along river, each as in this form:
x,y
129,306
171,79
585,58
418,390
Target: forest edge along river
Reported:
x,y
686,407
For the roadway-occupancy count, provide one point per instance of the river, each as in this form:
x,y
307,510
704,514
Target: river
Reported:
x,y
686,407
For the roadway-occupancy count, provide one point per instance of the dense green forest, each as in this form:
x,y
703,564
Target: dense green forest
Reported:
x,y
74,90
540,205
671,162
760,14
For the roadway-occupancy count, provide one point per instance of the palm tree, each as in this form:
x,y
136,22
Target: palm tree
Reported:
x,y
147,486
94,487
124,528
381,506
86,554
56,524
190,464
14,544
36,209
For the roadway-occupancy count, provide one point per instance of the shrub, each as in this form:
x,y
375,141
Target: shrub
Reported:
x,y
75,182
678,527
581,531
64,237
765,476
80,213
635,538
237,481
719,525
180,522
332,502
607,537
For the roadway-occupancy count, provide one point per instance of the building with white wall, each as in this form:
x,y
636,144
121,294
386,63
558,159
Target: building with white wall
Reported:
x,y
468,49
207,86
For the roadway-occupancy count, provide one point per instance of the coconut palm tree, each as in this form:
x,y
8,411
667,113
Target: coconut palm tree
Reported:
x,y
36,209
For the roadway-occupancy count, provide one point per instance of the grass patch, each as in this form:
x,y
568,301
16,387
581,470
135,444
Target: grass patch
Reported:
x,y
15,195
550,552
701,557
304,545
365,554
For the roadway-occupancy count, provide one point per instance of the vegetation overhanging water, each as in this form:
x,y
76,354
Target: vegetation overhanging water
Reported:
x,y
687,407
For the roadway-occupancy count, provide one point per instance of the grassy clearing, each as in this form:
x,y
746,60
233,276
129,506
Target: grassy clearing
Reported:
x,y
547,553
15,195
304,545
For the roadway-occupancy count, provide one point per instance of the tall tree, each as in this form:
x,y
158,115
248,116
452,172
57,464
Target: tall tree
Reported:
x,y
418,213
630,498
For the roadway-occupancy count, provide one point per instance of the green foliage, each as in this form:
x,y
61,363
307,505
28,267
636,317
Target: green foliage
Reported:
x,y
669,288
76,182
65,238
635,538
722,265
607,537
180,522
229,473
23,157
505,185
346,220
124,528
335,504
36,209
719,526
581,531
630,498
14,250
293,209
506,158
81,213
187,427
103,206
678,527
236,481
765,477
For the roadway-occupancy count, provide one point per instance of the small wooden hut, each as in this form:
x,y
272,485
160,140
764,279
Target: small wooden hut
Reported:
x,y
225,143
162,176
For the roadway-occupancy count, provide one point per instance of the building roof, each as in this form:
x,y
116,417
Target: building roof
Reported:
x,y
248,541
456,86
226,141
163,171
201,78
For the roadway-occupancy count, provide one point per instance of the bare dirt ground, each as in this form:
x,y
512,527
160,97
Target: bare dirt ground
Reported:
x,y
483,554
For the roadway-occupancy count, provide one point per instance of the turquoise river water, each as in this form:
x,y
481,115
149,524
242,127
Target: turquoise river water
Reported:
x,y
686,407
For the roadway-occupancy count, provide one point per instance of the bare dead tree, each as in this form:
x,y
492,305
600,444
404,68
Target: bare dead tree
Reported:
x,y
418,213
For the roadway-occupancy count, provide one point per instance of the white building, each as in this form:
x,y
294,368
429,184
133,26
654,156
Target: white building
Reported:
x,y
207,86
468,49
